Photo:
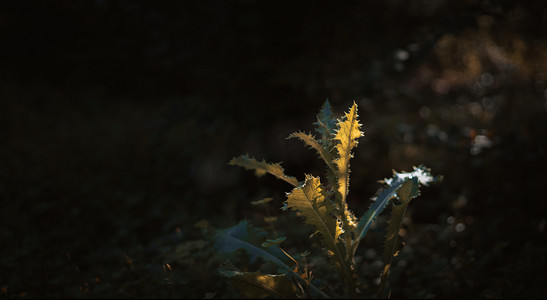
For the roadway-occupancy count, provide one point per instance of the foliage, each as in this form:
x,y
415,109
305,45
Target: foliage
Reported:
x,y
323,206
118,119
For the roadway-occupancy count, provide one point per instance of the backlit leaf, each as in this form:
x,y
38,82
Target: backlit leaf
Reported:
x,y
313,143
347,134
262,167
258,285
311,200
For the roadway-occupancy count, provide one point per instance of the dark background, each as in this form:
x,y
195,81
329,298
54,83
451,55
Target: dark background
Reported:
x,y
118,119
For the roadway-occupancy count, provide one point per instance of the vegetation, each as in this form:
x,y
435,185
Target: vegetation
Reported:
x,y
118,119
325,208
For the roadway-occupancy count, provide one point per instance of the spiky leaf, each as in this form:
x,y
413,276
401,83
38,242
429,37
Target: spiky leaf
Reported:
x,y
325,125
312,201
313,143
347,134
258,285
423,176
262,167
408,190
245,236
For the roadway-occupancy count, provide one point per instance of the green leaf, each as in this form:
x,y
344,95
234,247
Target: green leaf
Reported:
x,y
423,176
277,241
262,167
325,125
258,285
408,190
245,236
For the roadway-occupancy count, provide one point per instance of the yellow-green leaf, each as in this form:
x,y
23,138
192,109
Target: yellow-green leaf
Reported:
x,y
258,285
313,143
311,201
347,134
262,167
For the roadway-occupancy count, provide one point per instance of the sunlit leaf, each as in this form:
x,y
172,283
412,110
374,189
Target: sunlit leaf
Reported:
x,y
313,143
262,167
310,199
258,285
347,134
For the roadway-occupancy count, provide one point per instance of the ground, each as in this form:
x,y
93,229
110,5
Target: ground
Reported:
x,y
118,120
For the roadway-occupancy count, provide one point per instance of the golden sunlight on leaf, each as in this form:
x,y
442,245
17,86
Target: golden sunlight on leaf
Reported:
x,y
347,134
262,167
257,285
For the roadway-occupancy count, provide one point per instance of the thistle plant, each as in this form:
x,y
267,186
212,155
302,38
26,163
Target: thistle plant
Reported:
x,y
323,205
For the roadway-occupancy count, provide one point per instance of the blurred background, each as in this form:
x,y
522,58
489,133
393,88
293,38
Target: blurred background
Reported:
x,y
118,119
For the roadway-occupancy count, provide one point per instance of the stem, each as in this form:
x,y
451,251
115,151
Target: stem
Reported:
x,y
345,272
313,287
